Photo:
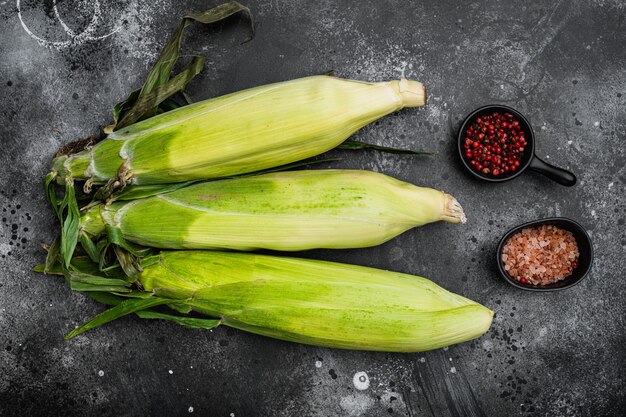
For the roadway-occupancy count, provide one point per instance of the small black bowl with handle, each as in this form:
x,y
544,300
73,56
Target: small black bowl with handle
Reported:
x,y
585,254
529,159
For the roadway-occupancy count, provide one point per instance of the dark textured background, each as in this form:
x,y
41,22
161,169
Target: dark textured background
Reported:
x,y
563,64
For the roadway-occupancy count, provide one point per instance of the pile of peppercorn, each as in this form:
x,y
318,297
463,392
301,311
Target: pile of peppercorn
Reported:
x,y
494,144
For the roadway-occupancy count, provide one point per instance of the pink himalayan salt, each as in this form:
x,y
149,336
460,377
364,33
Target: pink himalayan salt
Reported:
x,y
540,254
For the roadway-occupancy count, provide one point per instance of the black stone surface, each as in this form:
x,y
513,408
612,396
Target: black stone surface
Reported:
x,y
563,64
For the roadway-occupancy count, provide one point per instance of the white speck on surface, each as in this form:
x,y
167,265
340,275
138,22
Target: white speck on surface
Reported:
x,y
356,405
547,156
569,142
5,248
318,364
361,381
445,349
100,372
543,127
170,372
588,47
610,185
453,370
190,409
596,124
450,359
232,414
593,213
422,359
392,397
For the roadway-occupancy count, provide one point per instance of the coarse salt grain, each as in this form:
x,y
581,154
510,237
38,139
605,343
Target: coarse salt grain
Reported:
x,y
541,255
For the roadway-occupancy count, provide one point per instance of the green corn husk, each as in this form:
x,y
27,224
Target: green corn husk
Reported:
x,y
242,132
287,211
299,300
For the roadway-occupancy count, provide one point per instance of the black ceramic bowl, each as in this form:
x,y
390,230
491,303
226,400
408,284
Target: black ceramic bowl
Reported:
x,y
529,159
585,257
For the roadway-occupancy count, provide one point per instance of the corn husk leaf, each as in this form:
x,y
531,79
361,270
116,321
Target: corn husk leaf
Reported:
x,y
89,247
190,322
122,309
69,231
158,86
148,104
52,259
355,145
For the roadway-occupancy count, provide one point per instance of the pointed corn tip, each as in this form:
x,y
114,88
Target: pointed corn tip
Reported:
x,y
453,212
412,93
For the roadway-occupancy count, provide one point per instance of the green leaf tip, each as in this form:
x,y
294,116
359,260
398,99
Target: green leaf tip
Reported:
x,y
122,309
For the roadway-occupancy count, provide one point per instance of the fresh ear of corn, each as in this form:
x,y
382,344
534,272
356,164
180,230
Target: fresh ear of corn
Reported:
x,y
243,132
287,211
306,301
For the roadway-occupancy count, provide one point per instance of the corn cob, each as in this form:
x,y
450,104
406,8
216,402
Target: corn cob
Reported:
x,y
243,132
288,211
305,301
